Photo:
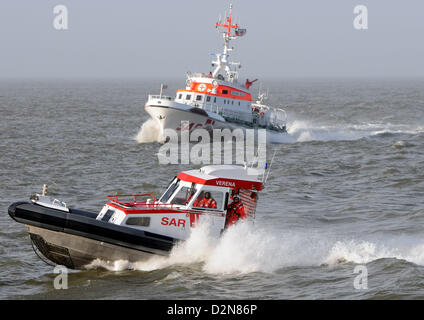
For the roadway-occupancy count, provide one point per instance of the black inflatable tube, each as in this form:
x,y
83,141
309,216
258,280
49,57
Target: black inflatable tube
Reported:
x,y
83,223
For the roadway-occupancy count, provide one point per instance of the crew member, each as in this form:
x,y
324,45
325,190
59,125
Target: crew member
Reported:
x,y
207,202
254,196
235,211
191,194
233,193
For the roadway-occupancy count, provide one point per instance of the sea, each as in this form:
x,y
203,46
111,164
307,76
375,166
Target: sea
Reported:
x,y
341,215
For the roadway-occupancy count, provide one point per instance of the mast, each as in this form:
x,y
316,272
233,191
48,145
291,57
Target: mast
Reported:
x,y
221,61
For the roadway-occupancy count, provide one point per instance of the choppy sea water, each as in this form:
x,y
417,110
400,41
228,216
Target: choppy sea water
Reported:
x,y
346,189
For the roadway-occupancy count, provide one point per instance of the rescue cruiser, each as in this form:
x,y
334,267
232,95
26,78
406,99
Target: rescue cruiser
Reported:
x,y
218,99
137,227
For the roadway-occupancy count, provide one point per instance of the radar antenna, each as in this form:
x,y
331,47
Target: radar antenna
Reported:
x,y
229,32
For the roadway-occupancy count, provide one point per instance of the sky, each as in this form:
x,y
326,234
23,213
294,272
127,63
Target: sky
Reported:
x,y
165,39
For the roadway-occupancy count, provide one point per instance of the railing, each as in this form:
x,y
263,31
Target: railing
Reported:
x,y
278,118
198,75
151,96
135,202
270,117
154,205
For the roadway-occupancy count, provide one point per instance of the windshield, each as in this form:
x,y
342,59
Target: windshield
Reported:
x,y
184,195
170,191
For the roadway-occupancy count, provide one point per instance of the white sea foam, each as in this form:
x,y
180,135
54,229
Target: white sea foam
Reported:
x,y
245,248
360,252
368,251
302,130
150,131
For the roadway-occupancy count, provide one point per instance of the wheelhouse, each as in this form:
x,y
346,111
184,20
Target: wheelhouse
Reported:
x,y
183,203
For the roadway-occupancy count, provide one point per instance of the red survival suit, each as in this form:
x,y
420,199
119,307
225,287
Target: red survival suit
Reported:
x,y
206,203
195,203
236,211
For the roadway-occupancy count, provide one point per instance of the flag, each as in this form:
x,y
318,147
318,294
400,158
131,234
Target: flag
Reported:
x,y
240,32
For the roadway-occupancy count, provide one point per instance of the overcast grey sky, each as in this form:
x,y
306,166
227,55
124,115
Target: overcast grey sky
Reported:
x,y
165,39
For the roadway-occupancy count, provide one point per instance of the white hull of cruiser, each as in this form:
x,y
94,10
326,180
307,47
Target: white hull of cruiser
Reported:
x,y
171,119
173,115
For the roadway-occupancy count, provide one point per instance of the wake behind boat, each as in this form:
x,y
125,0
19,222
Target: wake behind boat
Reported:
x,y
138,227
217,100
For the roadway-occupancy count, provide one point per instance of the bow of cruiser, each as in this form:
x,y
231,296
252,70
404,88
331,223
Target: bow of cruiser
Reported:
x,y
170,114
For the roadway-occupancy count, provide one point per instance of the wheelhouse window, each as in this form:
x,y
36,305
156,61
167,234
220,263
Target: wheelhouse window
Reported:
x,y
188,97
208,99
108,215
180,96
199,98
224,91
214,100
184,195
138,221
209,200
237,93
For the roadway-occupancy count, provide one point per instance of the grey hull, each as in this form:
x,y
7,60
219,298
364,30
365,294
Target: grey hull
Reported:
x,y
77,252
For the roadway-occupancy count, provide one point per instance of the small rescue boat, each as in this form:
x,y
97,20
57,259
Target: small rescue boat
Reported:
x,y
138,227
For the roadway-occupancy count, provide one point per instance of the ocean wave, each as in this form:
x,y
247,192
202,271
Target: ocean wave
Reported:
x,y
244,249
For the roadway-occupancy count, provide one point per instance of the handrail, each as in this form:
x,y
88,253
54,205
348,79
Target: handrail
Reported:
x,y
200,75
114,198
153,96
139,204
154,204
